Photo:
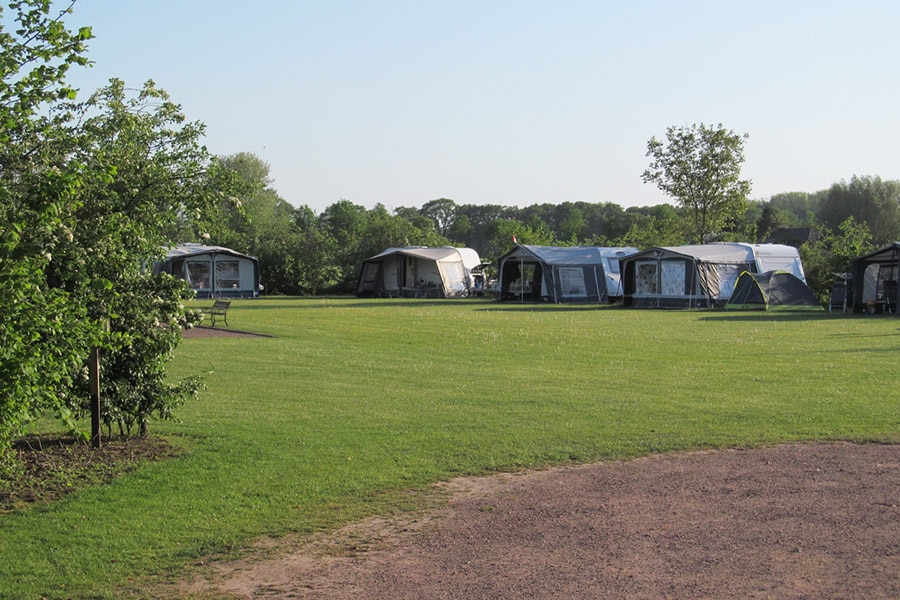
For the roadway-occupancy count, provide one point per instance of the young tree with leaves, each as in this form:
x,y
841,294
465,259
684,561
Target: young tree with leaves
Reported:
x,y
700,167
43,331
828,257
143,169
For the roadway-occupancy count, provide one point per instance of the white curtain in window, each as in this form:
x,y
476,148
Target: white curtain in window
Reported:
x,y
673,278
571,280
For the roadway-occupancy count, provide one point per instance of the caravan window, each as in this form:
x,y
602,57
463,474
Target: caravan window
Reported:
x,y
571,281
612,266
645,281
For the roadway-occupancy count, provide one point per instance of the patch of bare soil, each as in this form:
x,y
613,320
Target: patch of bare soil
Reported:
x,y
790,521
46,469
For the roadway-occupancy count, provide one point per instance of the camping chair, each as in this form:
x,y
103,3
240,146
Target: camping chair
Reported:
x,y
838,300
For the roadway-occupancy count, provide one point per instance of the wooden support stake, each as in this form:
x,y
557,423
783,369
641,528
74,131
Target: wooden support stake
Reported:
x,y
94,374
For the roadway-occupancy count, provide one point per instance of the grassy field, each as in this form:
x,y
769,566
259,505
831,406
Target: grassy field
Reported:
x,y
353,403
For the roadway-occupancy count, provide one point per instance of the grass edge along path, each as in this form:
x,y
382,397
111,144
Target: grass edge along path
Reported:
x,y
354,402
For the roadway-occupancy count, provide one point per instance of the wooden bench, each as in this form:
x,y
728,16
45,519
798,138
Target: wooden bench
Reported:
x,y
219,309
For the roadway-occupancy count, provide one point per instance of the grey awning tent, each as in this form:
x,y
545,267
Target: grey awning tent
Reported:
x,y
874,279
772,290
213,271
699,276
560,274
421,272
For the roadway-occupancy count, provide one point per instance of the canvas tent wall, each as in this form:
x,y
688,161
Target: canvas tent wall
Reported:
x,y
700,276
875,279
560,274
417,271
213,271
772,290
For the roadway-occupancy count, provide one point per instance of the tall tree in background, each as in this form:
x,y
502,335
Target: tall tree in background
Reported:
x,y
870,201
442,212
700,167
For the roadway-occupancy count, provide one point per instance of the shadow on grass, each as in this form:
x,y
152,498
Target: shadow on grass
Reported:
x,y
320,302
787,316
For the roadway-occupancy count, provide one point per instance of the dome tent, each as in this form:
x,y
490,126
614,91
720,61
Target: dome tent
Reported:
x,y
772,290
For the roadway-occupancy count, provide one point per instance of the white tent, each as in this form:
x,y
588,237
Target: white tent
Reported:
x,y
213,271
699,276
561,274
421,272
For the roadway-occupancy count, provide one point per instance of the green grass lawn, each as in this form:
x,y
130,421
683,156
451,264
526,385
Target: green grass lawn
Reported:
x,y
352,403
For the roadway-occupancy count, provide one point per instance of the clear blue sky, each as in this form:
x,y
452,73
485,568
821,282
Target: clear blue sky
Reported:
x,y
513,102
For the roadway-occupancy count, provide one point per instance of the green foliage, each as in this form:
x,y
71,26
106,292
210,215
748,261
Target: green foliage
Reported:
x,y
143,169
502,233
146,330
870,201
652,226
829,257
89,195
43,334
700,166
800,206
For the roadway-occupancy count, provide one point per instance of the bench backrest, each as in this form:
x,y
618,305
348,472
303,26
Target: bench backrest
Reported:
x,y
222,304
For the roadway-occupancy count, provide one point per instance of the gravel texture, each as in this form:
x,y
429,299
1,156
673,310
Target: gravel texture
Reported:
x,y
789,521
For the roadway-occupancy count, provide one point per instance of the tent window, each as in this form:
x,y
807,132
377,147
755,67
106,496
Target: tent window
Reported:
x,y
645,283
571,280
673,272
228,274
728,275
198,275
409,271
370,274
887,283
456,275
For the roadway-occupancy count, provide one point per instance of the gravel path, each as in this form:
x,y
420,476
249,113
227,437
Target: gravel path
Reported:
x,y
790,521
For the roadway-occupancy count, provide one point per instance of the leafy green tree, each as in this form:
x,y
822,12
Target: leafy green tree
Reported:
x,y
831,254
442,212
345,223
258,221
503,233
572,226
770,219
870,201
43,332
481,219
461,231
801,206
143,168
700,167
652,226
